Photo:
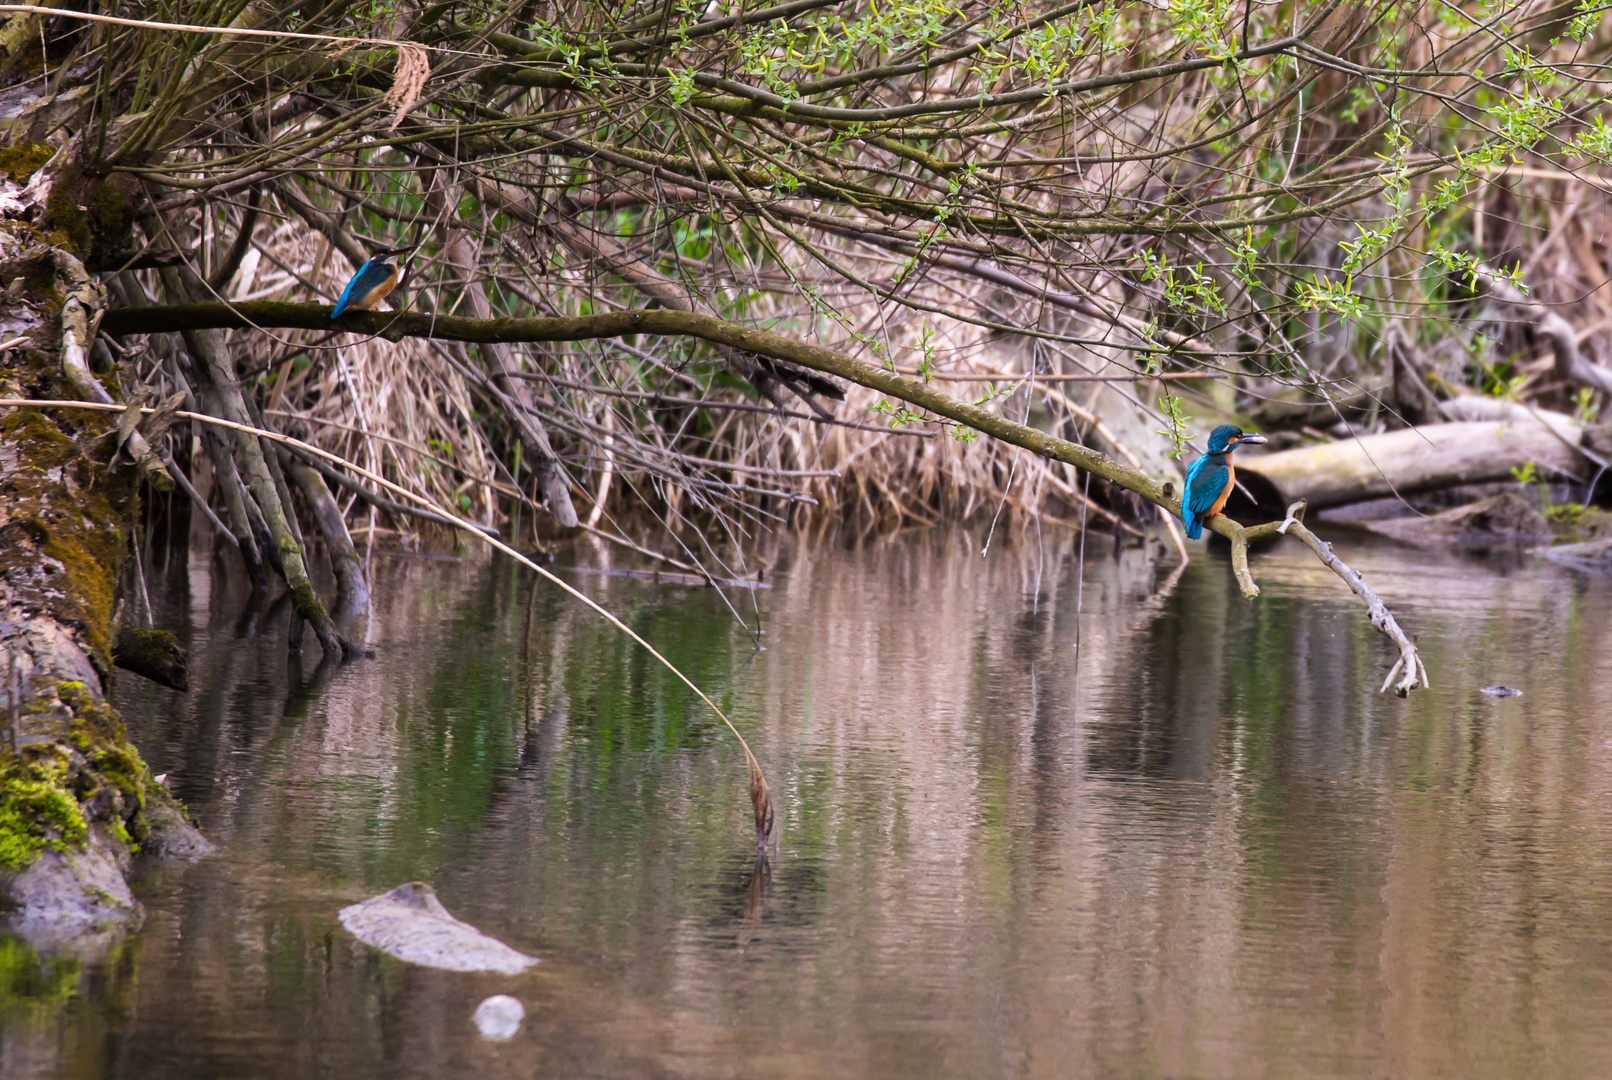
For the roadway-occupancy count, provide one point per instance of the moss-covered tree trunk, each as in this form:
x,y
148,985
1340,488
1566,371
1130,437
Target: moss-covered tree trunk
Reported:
x,y
75,798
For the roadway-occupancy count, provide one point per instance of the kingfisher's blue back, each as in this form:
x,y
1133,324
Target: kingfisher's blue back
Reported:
x,y
374,276
1210,478
1208,484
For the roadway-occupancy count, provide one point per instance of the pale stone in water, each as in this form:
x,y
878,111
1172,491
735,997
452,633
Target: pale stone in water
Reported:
x,y
499,1017
66,895
411,924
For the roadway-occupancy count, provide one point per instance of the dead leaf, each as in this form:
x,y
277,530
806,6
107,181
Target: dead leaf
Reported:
x,y
156,425
129,422
413,70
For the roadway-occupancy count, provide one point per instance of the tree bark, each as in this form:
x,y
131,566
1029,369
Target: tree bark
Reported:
x,y
1354,470
352,590
764,343
398,325
236,498
214,368
75,798
212,361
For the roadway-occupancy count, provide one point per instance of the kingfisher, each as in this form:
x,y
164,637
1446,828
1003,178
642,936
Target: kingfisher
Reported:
x,y
1210,478
374,280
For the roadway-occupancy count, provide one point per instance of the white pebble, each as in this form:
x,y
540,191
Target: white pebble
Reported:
x,y
499,1017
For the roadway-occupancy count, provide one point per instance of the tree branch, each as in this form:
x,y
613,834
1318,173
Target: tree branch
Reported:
x,y
397,325
1409,668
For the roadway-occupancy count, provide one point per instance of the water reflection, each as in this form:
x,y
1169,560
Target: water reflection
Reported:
x,y
1219,852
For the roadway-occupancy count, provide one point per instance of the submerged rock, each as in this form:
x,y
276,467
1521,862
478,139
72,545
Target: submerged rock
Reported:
x,y
172,836
65,895
411,924
1507,518
499,1017
1501,691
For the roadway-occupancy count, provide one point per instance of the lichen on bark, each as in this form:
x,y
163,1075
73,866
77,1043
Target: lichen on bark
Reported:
x,y
64,557
72,787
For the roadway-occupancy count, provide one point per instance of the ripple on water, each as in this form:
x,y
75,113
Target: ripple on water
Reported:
x,y
1207,847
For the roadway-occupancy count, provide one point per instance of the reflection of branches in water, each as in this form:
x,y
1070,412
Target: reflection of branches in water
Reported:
x,y
760,792
1410,670
755,896
1080,594
529,697
1162,594
253,620
301,693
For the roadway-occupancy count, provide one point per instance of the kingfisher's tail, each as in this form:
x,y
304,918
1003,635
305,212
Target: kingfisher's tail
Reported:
x,y
1194,525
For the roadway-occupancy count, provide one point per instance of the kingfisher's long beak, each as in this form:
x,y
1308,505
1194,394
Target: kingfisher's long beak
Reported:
x,y
1250,439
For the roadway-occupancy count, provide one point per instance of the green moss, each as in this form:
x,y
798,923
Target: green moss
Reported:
x,y
43,790
111,225
63,540
48,447
93,218
37,809
154,654
148,648
21,162
86,595
100,736
121,834
66,225
109,203
85,541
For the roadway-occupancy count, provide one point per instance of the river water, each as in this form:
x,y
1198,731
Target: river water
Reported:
x,y
1200,845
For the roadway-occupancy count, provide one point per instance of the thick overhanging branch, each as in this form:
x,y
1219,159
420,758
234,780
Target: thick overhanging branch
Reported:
x,y
266,315
398,325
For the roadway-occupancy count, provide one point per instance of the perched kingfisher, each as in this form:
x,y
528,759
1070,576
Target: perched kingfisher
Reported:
x,y
1210,478
374,280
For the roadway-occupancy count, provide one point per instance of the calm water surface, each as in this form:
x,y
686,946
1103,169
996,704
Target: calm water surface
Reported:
x,y
1210,849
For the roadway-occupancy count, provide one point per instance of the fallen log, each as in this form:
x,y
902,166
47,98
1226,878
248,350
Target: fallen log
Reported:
x,y
1409,462
1490,410
1589,553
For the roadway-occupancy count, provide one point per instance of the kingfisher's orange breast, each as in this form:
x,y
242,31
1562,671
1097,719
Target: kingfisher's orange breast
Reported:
x,y
368,301
1231,482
